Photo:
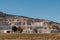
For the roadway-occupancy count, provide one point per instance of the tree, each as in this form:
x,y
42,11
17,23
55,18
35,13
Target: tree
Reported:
x,y
35,30
20,29
14,28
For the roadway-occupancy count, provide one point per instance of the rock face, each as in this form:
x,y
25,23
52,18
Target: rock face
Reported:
x,y
39,25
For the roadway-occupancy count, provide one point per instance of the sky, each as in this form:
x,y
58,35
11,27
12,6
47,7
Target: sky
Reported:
x,y
42,9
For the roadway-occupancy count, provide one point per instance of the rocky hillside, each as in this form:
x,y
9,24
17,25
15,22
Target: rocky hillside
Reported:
x,y
7,21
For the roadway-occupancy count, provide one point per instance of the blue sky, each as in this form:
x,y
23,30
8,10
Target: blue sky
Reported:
x,y
43,9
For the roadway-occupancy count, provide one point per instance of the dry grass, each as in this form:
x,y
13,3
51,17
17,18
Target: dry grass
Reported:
x,y
14,36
